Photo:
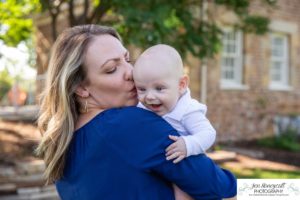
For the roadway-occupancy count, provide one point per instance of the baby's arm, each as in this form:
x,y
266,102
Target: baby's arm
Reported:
x,y
202,135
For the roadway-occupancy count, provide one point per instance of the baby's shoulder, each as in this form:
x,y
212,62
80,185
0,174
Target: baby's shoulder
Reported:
x,y
195,106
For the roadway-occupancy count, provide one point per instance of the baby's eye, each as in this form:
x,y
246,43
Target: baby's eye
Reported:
x,y
159,88
141,89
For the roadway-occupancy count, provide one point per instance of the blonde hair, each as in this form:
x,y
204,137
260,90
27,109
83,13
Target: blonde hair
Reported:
x,y
59,108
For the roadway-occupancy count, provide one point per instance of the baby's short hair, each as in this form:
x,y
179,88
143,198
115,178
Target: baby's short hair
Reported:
x,y
163,54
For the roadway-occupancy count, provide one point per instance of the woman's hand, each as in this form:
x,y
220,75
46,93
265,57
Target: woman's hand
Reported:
x,y
177,150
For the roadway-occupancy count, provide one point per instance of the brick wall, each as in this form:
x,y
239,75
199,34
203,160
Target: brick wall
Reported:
x,y
248,113
236,114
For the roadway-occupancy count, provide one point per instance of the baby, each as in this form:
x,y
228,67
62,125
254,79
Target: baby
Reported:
x,y
162,88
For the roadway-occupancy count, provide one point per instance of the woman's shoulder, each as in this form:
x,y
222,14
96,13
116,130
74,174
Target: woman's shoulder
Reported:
x,y
134,118
117,115
131,114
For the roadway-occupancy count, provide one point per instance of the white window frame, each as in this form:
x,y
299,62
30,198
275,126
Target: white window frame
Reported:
x,y
283,83
236,82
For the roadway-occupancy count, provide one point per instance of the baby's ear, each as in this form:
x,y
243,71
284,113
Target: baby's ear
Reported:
x,y
183,84
82,91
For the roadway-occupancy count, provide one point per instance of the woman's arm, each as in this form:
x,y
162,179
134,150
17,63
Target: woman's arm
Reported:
x,y
140,137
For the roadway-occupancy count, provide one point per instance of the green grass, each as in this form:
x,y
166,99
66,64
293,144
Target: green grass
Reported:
x,y
288,140
261,173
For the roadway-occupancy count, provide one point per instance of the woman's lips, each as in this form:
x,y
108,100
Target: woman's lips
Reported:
x,y
133,92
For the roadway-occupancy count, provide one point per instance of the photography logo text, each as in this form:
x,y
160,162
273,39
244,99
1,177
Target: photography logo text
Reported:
x,y
285,188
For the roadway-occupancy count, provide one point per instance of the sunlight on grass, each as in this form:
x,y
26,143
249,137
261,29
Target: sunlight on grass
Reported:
x,y
261,173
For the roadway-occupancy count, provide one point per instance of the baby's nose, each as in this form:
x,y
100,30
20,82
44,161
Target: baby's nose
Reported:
x,y
150,95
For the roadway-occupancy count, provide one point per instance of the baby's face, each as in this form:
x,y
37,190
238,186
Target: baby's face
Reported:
x,y
157,88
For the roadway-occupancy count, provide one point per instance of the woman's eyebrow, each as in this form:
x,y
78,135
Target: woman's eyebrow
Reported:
x,y
126,54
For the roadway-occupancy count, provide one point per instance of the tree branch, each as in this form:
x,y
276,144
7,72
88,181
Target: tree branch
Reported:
x,y
54,12
99,11
71,13
86,9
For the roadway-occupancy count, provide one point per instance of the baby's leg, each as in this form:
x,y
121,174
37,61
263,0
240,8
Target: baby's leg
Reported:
x,y
181,195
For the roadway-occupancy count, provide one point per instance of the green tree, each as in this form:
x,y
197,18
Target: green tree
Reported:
x,y
15,21
188,25
142,23
5,82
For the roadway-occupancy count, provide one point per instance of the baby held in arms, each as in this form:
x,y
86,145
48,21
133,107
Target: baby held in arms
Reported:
x,y
162,88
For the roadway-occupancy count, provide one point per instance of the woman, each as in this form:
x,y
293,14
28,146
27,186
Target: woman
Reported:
x,y
96,144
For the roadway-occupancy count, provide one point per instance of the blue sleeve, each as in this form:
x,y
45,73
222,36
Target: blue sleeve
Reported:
x,y
140,137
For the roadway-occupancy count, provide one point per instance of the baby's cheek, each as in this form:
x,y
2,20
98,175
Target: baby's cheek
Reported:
x,y
140,97
172,105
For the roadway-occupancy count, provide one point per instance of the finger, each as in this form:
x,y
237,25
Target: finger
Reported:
x,y
173,137
178,159
171,146
168,153
172,156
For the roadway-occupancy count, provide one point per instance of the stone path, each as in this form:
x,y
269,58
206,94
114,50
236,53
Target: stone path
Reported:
x,y
23,113
25,182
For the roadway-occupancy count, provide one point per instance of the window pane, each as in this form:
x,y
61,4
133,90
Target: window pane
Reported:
x,y
279,59
275,71
278,41
230,70
277,52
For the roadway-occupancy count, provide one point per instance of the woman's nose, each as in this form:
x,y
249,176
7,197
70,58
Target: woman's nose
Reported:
x,y
128,72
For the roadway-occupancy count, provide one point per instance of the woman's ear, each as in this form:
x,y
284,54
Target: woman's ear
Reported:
x,y
82,91
183,84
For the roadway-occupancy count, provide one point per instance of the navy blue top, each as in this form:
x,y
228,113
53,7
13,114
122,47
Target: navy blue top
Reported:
x,y
120,155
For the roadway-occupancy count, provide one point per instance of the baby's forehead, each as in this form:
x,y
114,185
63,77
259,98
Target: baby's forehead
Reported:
x,y
151,64
161,58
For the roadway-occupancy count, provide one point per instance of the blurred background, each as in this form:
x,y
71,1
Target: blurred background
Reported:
x,y
242,58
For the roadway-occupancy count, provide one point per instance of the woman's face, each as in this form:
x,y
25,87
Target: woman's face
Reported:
x,y
109,74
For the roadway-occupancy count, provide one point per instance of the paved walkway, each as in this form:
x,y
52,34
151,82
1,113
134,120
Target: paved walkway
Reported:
x,y
22,113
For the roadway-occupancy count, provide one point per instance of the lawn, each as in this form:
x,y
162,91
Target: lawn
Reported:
x,y
264,174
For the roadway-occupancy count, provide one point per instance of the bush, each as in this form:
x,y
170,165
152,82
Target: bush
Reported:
x,y
288,140
5,82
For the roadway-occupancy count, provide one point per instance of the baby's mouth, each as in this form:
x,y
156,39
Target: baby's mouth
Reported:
x,y
154,107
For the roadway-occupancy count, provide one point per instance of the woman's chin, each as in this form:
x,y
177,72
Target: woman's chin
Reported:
x,y
132,102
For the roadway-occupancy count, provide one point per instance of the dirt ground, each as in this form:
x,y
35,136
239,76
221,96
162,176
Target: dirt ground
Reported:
x,y
17,141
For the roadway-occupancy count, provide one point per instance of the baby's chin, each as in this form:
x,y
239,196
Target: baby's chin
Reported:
x,y
160,113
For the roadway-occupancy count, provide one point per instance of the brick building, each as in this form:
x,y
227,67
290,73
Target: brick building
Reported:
x,y
254,78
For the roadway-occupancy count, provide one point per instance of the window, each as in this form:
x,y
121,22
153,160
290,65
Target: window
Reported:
x,y
231,61
279,70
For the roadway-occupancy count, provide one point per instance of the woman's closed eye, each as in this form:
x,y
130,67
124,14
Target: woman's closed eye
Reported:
x,y
111,70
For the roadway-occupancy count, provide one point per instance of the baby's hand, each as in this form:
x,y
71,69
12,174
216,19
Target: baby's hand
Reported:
x,y
177,150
